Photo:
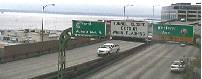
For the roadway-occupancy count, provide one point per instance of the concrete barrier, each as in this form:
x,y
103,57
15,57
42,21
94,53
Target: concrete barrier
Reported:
x,y
22,51
73,71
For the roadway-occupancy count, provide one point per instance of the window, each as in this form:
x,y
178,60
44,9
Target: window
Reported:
x,y
181,15
176,7
192,11
191,15
181,11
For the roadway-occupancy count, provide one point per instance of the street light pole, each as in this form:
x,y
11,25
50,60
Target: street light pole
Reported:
x,y
43,8
153,9
124,10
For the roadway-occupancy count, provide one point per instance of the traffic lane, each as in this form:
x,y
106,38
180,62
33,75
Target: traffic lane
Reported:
x,y
146,64
162,69
189,52
120,66
31,67
91,51
48,62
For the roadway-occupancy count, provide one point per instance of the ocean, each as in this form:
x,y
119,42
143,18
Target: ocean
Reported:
x,y
19,21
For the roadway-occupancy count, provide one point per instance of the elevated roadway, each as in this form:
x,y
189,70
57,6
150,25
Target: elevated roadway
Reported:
x,y
152,63
29,68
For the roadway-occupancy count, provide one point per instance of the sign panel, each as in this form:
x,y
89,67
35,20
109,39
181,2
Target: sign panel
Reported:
x,y
177,33
88,28
137,29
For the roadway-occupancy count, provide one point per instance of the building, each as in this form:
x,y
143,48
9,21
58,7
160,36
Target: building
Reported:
x,y
28,36
181,11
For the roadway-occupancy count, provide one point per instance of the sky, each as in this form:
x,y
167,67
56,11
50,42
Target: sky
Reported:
x,y
143,7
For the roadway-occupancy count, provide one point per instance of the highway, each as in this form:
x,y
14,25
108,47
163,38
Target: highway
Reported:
x,y
29,68
152,63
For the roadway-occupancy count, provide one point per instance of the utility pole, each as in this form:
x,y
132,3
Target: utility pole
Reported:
x,y
42,23
153,10
124,10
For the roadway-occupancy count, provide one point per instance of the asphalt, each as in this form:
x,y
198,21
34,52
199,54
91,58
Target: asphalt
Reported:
x,y
29,68
152,63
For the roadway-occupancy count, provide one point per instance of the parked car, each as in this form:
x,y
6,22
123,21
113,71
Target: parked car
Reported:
x,y
177,66
108,48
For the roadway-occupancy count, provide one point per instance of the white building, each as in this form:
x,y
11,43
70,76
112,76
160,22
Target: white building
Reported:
x,y
180,11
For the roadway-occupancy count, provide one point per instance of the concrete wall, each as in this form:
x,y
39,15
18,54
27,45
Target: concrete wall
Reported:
x,y
16,52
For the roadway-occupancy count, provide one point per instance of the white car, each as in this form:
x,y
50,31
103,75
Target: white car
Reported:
x,y
149,38
182,44
178,66
108,48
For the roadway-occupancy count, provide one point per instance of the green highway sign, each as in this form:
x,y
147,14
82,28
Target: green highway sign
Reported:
x,y
88,28
178,33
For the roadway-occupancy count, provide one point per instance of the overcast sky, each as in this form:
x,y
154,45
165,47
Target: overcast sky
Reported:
x,y
97,2
107,6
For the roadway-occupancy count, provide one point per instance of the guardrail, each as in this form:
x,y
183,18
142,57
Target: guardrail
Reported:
x,y
79,69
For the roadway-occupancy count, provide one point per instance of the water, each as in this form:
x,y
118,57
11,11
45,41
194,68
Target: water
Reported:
x,y
19,21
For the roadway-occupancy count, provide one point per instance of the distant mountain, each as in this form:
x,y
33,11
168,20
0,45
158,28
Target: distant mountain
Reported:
x,y
72,13
24,11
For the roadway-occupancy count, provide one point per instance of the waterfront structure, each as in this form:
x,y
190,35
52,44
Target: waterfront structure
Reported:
x,y
28,35
181,11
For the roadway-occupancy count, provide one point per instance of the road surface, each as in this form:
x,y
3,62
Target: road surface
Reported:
x,y
152,63
29,68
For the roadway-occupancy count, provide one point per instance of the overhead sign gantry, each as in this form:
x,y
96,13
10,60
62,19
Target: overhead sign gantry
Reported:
x,y
88,28
79,28
177,33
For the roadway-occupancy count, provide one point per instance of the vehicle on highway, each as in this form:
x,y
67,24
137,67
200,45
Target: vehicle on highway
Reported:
x,y
149,38
178,66
182,20
108,48
182,44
